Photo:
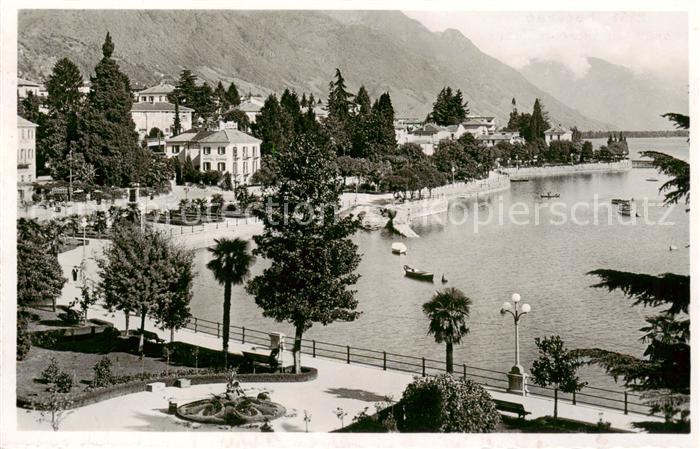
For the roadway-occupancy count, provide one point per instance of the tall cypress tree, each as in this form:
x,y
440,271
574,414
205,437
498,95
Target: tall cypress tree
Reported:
x,y
538,121
221,99
383,118
449,107
363,102
232,95
107,134
269,128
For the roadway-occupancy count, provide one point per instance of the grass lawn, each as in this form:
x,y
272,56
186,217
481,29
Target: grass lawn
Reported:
x,y
79,365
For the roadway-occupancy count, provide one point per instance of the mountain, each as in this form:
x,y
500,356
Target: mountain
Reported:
x,y
384,50
612,93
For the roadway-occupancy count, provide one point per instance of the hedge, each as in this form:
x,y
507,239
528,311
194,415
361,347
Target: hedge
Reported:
x,y
113,391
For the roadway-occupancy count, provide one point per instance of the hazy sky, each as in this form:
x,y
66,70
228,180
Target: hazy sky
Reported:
x,y
642,41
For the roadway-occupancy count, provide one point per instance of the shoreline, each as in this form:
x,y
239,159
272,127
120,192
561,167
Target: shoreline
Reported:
x,y
519,173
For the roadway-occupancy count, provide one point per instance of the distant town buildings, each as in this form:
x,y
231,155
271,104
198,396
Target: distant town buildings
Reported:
x,y
225,150
153,110
26,158
557,133
429,135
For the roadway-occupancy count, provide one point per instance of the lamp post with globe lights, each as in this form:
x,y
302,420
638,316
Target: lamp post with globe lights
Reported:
x,y
516,376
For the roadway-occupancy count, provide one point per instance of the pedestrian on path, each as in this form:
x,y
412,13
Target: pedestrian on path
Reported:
x,y
75,273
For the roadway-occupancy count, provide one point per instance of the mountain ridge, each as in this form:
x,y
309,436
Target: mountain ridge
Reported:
x,y
266,51
615,93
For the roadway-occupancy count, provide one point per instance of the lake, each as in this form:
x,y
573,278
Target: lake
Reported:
x,y
545,262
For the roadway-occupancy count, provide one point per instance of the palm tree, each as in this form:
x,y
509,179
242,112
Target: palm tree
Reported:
x,y
448,311
231,265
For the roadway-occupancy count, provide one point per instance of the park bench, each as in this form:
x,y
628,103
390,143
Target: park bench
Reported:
x,y
511,407
259,358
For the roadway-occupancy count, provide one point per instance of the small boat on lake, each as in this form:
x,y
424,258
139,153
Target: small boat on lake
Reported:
x,y
619,201
652,180
418,274
398,248
520,180
549,195
444,279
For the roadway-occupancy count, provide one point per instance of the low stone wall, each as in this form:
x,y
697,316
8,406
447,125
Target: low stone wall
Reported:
x,y
561,170
113,391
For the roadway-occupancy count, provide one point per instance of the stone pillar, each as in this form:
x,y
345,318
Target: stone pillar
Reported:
x,y
517,381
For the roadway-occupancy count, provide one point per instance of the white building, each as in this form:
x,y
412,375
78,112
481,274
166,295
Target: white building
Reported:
x,y
493,139
26,158
26,86
225,150
479,125
155,94
252,106
557,133
161,115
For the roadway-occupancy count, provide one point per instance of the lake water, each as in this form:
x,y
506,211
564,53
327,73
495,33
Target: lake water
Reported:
x,y
545,263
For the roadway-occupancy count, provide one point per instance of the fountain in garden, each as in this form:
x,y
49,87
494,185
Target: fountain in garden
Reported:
x,y
232,408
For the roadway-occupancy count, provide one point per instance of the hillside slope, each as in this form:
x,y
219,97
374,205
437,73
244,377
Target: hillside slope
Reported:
x,y
296,49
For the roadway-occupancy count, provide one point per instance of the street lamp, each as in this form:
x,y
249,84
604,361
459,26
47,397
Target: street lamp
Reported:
x,y
83,224
516,376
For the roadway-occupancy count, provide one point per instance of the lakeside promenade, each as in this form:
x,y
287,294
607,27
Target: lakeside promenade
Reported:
x,y
351,387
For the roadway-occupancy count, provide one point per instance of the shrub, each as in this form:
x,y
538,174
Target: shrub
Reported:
x,y
70,316
63,382
24,340
51,372
446,404
103,373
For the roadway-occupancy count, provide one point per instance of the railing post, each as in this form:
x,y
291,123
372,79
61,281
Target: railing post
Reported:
x,y
384,353
243,335
313,348
464,371
348,353
195,325
625,402
574,398
423,364
217,329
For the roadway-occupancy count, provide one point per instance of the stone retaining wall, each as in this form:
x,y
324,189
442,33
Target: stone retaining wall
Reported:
x,y
559,170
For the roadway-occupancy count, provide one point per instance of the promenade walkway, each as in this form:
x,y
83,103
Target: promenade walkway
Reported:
x,y
351,387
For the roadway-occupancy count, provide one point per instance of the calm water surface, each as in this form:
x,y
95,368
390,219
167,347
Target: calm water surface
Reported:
x,y
545,263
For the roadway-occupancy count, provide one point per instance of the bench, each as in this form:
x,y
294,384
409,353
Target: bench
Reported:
x,y
511,407
263,359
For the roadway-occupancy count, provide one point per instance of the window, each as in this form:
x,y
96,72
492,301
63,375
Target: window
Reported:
x,y
22,133
255,151
245,167
221,166
245,152
21,155
176,149
22,180
206,150
143,98
150,99
255,166
206,166
235,152
221,150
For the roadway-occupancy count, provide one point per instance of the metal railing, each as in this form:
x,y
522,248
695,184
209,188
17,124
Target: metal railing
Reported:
x,y
622,400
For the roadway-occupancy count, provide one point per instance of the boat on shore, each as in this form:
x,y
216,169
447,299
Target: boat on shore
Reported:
x,y
418,274
398,248
549,195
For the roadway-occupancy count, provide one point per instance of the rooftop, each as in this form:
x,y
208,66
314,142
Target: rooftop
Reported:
x,y
228,135
159,89
154,107
249,106
23,82
24,123
557,130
